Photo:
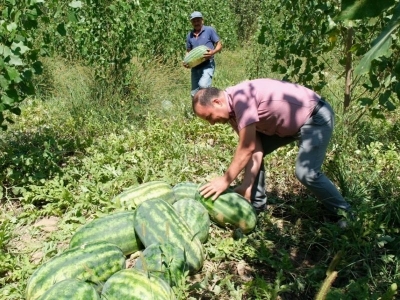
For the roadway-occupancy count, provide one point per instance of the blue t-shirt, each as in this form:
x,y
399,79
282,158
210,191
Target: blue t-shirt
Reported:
x,y
207,37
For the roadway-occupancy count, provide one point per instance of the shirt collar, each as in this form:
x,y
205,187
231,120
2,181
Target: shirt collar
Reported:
x,y
201,30
230,105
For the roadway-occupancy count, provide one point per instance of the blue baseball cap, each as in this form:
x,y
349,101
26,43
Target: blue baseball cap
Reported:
x,y
196,14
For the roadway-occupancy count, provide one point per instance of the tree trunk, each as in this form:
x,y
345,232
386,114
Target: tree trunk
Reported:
x,y
349,68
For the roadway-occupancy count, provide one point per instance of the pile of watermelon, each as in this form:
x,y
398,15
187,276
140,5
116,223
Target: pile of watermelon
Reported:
x,y
165,226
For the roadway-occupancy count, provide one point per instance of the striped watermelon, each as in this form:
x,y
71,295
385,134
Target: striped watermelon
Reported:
x,y
71,289
185,189
156,221
232,209
195,56
94,262
163,260
133,284
135,195
195,215
116,228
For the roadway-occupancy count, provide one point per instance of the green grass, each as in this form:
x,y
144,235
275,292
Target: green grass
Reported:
x,y
78,144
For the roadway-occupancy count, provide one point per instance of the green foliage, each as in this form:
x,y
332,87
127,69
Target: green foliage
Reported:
x,y
69,155
356,9
18,55
300,37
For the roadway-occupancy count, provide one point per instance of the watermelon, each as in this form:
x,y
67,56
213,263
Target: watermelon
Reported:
x,y
116,228
195,215
135,195
94,262
71,289
195,56
230,209
156,221
133,284
185,189
163,260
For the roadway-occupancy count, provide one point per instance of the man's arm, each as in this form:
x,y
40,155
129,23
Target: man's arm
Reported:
x,y
251,170
243,154
210,53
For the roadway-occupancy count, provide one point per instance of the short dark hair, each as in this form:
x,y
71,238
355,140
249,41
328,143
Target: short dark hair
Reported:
x,y
204,96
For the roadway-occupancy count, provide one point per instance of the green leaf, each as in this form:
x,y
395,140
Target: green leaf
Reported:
x,y
15,60
365,101
397,89
27,88
5,51
16,111
7,100
396,70
75,4
381,48
12,26
72,17
360,9
12,73
261,36
4,83
22,48
37,67
384,100
61,29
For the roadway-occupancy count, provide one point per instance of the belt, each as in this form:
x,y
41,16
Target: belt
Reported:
x,y
317,107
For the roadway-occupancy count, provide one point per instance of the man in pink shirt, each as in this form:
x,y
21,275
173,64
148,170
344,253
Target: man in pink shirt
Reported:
x,y
268,114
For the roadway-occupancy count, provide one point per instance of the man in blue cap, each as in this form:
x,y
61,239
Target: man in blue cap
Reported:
x,y
201,75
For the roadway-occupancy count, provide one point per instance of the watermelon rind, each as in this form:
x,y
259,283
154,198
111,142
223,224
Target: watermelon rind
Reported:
x,y
163,260
230,209
135,195
196,56
195,215
116,228
94,262
156,221
185,189
134,284
71,289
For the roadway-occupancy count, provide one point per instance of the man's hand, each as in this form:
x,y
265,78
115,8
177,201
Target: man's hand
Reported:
x,y
209,54
244,190
185,65
215,187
